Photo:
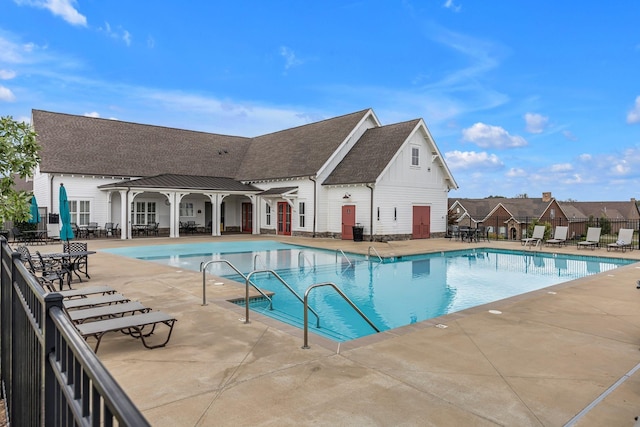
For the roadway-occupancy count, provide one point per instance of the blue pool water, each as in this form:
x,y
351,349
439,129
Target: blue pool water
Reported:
x,y
393,293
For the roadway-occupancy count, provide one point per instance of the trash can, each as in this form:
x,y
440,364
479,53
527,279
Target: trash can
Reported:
x,y
358,231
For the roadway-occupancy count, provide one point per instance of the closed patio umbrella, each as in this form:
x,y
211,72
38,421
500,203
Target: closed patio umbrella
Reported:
x,y
35,215
66,233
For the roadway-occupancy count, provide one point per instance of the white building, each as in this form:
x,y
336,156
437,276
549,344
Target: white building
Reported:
x,y
320,179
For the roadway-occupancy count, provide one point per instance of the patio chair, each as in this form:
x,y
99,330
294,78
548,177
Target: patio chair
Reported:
x,y
137,325
18,236
593,238
87,291
559,237
81,263
536,237
92,230
625,238
107,312
46,274
89,302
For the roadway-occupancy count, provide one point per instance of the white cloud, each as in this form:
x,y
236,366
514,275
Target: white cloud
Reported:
x,y
569,135
536,123
6,94
470,159
516,172
7,74
585,157
486,136
93,114
561,167
448,4
118,33
634,115
290,57
62,8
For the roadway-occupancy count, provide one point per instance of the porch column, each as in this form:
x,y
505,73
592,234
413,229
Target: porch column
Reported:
x,y
254,215
215,216
124,202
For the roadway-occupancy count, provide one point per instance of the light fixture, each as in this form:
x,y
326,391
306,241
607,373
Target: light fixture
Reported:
x,y
346,196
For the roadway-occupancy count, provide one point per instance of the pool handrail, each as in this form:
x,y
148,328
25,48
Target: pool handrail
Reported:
x,y
286,285
203,268
375,251
343,295
304,258
344,255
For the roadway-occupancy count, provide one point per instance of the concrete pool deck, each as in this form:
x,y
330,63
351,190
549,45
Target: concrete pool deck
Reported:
x,y
548,356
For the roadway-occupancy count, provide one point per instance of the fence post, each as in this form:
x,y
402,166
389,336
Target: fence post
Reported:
x,y
49,406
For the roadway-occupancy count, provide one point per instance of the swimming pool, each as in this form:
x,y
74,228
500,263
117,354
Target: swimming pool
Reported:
x,y
393,293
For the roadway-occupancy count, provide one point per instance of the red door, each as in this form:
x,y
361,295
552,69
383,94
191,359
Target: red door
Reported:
x,y
284,218
247,218
421,222
348,221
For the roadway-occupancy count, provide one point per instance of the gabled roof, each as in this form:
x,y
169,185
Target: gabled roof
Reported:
x,y
371,154
626,210
120,148
480,209
296,152
278,191
184,181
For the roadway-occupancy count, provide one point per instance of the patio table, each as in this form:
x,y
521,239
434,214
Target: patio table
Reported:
x,y
70,261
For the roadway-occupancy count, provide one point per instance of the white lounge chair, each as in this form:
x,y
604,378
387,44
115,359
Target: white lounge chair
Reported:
x,y
560,236
593,238
625,237
536,237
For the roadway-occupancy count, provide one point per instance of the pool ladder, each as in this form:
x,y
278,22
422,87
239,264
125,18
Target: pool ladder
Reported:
x,y
343,255
375,252
342,294
203,268
286,285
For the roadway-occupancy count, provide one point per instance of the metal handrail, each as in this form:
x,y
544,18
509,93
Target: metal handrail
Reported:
x,y
343,254
342,294
304,258
256,257
203,268
375,251
286,285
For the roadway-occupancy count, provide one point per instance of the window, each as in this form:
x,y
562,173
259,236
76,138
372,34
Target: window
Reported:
x,y
415,156
186,209
301,213
553,213
143,213
267,211
80,211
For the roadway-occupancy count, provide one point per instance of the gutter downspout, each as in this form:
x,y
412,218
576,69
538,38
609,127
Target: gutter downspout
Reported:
x,y
370,186
315,192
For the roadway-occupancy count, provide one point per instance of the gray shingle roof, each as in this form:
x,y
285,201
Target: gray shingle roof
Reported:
x,y
277,191
371,154
139,150
297,152
185,181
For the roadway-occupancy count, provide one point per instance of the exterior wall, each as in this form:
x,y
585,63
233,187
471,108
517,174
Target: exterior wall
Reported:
x,y
304,194
360,196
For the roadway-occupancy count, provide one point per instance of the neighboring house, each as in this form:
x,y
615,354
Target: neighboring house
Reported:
x,y
320,179
510,217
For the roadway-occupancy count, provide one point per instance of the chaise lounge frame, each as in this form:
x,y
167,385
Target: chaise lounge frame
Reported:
x,y
133,325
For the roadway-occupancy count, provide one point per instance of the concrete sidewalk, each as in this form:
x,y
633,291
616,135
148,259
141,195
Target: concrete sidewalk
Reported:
x,y
547,356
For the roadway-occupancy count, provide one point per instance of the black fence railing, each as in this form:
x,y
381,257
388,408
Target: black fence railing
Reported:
x,y
517,228
50,376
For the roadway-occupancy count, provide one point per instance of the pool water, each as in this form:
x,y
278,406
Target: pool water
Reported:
x,y
392,293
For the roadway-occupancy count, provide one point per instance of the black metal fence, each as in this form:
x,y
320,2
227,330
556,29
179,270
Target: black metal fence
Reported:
x,y
49,374
513,228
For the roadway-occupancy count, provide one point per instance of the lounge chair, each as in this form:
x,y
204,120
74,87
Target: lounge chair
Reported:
x,y
537,236
593,238
79,303
87,291
133,325
625,238
560,236
107,311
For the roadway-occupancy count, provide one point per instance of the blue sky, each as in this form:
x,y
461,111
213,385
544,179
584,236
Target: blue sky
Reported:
x,y
520,97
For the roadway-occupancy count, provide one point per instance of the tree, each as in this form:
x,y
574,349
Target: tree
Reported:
x,y
18,157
